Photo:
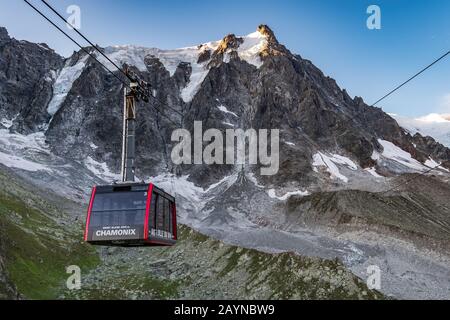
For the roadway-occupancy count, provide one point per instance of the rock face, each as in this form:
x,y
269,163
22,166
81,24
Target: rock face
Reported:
x,y
255,77
27,74
272,47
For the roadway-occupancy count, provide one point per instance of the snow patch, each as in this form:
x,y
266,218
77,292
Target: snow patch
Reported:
x,y
392,152
17,162
63,84
273,195
229,180
178,186
431,163
16,150
182,187
344,161
322,160
7,123
199,73
252,178
14,142
93,146
228,124
101,170
375,156
225,110
40,45
250,49
373,172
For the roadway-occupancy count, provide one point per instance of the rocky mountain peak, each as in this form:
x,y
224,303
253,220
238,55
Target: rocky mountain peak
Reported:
x,y
229,45
266,31
4,34
272,46
229,42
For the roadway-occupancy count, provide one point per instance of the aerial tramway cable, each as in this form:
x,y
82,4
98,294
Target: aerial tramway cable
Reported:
x,y
413,77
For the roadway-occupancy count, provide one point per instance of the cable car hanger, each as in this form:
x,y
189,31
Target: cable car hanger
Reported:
x,y
131,214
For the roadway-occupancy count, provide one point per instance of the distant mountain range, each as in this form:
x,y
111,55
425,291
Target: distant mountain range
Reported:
x,y
433,125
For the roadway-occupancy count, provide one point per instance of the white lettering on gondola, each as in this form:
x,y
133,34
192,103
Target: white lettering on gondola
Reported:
x,y
115,233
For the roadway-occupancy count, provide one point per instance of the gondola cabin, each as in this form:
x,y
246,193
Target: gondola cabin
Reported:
x,y
131,215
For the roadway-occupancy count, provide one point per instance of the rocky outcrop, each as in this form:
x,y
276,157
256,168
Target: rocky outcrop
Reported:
x,y
349,209
438,151
205,54
272,47
27,74
4,36
7,289
228,45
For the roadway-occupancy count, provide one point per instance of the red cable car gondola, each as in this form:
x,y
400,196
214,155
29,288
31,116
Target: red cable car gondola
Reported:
x,y
131,215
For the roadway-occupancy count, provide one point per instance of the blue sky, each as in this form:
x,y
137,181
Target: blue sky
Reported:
x,y
331,33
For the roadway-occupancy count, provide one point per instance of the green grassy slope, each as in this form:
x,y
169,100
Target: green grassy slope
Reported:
x,y
37,242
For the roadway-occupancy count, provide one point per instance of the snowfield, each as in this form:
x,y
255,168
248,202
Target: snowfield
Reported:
x,y
392,152
330,162
135,55
272,193
64,82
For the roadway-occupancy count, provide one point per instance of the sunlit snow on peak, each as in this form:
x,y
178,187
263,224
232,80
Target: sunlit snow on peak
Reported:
x,y
250,50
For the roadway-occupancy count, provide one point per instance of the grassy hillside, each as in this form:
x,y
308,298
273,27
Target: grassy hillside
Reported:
x,y
37,242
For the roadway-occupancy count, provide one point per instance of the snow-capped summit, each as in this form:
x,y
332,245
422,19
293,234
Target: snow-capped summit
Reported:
x,y
250,48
